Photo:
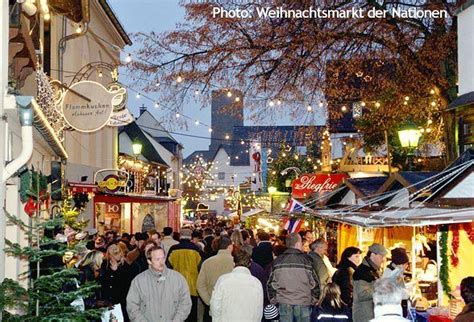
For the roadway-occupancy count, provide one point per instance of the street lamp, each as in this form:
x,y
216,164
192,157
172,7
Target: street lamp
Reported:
x,y
409,136
271,190
137,148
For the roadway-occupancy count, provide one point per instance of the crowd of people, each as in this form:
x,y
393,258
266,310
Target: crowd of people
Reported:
x,y
239,276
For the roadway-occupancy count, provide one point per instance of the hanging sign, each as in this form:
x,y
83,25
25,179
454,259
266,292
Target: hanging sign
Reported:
x,y
121,115
311,183
87,106
112,183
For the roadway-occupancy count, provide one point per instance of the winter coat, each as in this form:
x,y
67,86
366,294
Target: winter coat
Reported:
x,y
114,285
262,274
262,254
292,279
185,259
167,242
211,269
388,313
327,313
396,273
364,278
467,314
343,278
237,296
320,269
160,297
208,251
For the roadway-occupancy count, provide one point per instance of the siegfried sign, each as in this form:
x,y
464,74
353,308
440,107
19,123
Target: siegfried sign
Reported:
x,y
87,106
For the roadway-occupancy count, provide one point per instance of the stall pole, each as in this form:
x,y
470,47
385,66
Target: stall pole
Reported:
x,y
438,260
131,218
413,256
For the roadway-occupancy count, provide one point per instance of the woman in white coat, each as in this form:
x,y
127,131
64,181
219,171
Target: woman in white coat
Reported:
x,y
237,296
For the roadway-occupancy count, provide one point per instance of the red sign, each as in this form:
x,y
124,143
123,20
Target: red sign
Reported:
x,y
310,183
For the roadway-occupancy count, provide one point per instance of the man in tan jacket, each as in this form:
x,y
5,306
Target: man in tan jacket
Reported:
x,y
213,268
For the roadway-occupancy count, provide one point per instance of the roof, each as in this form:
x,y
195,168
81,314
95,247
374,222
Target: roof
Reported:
x,y
464,6
444,188
148,150
460,101
113,18
412,180
365,187
416,178
206,155
267,136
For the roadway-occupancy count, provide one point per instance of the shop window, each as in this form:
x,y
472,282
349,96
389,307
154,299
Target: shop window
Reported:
x,y
148,223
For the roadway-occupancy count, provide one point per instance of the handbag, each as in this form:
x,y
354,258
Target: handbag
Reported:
x,y
114,314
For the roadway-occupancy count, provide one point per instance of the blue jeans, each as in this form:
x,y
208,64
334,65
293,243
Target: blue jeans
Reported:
x,y
294,313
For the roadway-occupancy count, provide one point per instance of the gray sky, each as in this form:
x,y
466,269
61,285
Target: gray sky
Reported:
x,y
162,15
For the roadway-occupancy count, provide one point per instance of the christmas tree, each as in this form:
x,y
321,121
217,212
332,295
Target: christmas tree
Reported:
x,y
53,292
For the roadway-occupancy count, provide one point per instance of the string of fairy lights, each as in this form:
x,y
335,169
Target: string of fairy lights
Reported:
x,y
270,102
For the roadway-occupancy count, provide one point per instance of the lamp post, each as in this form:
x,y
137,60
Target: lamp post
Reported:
x,y
137,149
271,190
409,136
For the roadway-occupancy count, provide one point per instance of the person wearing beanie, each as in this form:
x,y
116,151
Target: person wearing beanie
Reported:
x,y
396,269
185,258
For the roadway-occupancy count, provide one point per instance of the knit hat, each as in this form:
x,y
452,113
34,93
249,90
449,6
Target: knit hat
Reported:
x,y
270,312
399,256
378,249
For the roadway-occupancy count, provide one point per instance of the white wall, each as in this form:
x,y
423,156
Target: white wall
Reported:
x,y
41,161
466,50
240,173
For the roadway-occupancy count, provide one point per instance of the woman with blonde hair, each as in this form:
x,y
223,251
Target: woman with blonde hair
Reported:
x,y
115,278
331,308
237,241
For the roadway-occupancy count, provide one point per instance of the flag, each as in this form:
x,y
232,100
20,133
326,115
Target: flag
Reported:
x,y
295,206
293,225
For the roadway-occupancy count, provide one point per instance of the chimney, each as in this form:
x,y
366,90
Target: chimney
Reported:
x,y
142,109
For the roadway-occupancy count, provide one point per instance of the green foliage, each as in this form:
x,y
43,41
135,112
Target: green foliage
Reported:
x,y
49,296
33,185
444,267
287,158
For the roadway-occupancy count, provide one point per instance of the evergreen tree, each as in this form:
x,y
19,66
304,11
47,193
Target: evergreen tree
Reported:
x,y
52,287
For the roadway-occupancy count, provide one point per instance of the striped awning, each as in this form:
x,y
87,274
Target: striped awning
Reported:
x,y
78,187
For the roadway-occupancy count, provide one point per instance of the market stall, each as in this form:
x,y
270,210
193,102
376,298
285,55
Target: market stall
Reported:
x,y
431,217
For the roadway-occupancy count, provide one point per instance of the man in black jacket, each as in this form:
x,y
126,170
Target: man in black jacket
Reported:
x,y
263,253
364,278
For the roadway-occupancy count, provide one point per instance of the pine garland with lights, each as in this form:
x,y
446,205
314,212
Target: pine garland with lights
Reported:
x,y
444,266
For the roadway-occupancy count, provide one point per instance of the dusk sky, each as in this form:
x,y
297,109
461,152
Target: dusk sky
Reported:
x,y
158,16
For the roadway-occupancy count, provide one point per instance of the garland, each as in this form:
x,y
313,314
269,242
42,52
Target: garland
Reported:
x,y
469,228
444,267
455,245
